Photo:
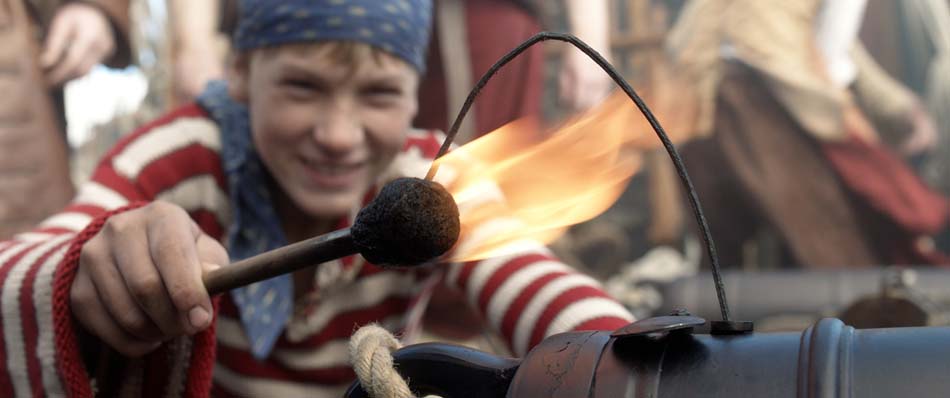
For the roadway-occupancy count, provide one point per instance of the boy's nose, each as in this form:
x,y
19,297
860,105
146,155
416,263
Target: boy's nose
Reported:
x,y
339,132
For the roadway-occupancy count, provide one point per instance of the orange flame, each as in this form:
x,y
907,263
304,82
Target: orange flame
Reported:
x,y
515,184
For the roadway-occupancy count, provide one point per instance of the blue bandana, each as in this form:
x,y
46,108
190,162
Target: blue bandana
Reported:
x,y
400,27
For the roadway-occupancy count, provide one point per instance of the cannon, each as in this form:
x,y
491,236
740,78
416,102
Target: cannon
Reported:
x,y
663,357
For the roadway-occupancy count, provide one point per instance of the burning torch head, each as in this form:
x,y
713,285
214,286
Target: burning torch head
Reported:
x,y
410,222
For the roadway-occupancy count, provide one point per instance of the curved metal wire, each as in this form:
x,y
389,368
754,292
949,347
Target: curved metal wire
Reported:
x,y
617,78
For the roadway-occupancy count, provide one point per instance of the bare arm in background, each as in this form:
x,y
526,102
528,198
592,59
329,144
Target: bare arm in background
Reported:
x,y
197,61
582,83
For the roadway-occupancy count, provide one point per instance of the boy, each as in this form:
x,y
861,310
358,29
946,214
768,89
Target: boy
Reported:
x,y
314,117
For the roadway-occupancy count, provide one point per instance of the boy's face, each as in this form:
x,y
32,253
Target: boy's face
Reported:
x,y
326,129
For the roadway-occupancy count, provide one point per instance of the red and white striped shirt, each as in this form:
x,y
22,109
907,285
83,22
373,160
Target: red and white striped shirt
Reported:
x,y
525,297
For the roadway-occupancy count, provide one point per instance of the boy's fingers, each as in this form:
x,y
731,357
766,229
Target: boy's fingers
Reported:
x,y
211,253
121,305
89,310
98,267
173,247
145,283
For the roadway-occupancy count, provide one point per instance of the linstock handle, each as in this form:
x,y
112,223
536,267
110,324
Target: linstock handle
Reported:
x,y
287,259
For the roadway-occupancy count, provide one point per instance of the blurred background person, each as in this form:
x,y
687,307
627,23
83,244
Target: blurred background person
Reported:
x,y
45,45
787,95
912,39
467,42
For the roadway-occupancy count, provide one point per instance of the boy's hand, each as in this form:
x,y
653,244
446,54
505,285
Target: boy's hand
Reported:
x,y
139,279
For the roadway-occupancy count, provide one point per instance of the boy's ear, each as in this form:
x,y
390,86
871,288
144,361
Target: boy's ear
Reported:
x,y
238,76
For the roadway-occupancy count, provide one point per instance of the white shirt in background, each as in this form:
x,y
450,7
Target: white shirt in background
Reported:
x,y
836,30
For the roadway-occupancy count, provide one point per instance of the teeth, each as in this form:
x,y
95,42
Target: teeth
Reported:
x,y
332,170
329,169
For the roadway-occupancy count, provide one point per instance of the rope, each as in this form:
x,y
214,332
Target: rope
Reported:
x,y
371,350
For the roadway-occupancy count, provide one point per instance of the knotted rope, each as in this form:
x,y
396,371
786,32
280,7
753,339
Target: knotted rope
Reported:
x,y
371,350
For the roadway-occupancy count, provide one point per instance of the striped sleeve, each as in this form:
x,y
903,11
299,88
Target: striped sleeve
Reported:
x,y
39,351
529,295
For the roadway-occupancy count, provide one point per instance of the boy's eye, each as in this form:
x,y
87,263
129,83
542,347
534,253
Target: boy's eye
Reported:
x,y
383,95
300,85
383,90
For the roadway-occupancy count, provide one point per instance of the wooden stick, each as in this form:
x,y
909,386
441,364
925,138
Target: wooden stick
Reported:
x,y
290,258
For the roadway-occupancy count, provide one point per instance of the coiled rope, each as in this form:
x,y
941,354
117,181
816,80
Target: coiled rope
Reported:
x,y
371,354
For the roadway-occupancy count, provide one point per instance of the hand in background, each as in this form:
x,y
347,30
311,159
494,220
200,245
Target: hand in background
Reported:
x,y
582,84
923,136
79,38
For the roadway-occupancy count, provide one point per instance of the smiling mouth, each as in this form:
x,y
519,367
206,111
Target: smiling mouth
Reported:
x,y
334,175
334,170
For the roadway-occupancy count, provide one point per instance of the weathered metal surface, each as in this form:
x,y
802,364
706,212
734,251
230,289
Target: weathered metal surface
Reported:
x,y
660,324
828,360
730,327
562,365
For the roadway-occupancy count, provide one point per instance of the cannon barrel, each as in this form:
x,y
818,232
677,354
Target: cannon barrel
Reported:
x,y
829,359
